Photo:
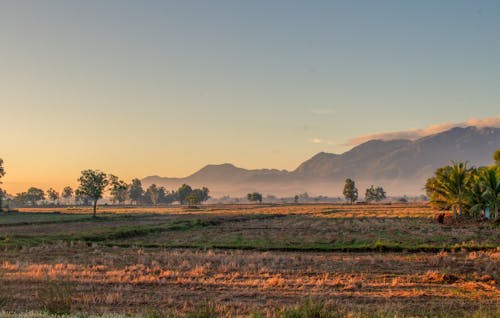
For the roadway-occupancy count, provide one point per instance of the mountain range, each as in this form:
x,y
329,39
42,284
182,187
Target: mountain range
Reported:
x,y
400,166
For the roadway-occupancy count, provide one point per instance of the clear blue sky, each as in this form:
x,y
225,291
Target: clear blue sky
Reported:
x,y
163,87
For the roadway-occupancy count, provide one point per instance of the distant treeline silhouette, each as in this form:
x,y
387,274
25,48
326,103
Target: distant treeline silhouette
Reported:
x,y
468,191
92,186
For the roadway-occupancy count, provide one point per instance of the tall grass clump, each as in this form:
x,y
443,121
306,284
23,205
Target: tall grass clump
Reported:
x,y
55,297
205,310
309,309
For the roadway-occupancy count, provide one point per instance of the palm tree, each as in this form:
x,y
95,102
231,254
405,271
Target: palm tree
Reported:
x,y
436,188
448,188
459,177
488,182
475,198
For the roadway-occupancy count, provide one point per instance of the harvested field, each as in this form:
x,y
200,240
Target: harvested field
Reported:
x,y
248,260
103,279
280,227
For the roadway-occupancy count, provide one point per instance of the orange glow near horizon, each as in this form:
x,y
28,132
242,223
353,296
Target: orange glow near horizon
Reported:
x,y
166,87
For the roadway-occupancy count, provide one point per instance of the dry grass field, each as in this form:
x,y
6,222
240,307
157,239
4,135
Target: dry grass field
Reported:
x,y
318,260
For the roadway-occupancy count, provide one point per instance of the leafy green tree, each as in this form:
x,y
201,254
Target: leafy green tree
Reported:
x,y
92,185
67,193
119,189
206,192
203,194
183,192
34,195
153,194
350,191
254,197
52,195
2,173
165,196
296,199
136,192
162,194
21,198
193,199
198,195
374,194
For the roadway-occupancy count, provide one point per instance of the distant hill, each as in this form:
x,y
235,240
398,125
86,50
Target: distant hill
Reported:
x,y
401,166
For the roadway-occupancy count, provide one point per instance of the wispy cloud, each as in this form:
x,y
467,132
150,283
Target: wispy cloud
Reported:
x,y
413,134
322,111
322,141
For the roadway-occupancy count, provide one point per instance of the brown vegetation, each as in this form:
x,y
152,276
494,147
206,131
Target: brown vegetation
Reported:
x,y
126,280
68,273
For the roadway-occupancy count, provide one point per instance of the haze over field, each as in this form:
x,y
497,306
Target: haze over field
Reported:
x,y
166,87
401,165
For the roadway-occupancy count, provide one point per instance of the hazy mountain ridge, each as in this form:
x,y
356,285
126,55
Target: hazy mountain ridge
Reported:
x,y
402,166
225,172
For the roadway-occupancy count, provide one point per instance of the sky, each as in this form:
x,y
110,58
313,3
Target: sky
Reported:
x,y
138,88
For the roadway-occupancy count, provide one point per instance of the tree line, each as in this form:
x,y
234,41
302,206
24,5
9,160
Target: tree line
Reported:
x,y
468,191
94,183
350,192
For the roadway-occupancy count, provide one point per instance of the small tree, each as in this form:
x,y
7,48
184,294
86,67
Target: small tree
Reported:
x,y
52,195
350,191
165,196
153,194
2,173
198,196
34,195
67,193
296,198
92,184
374,194
136,191
202,194
119,189
193,199
183,192
21,198
254,197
